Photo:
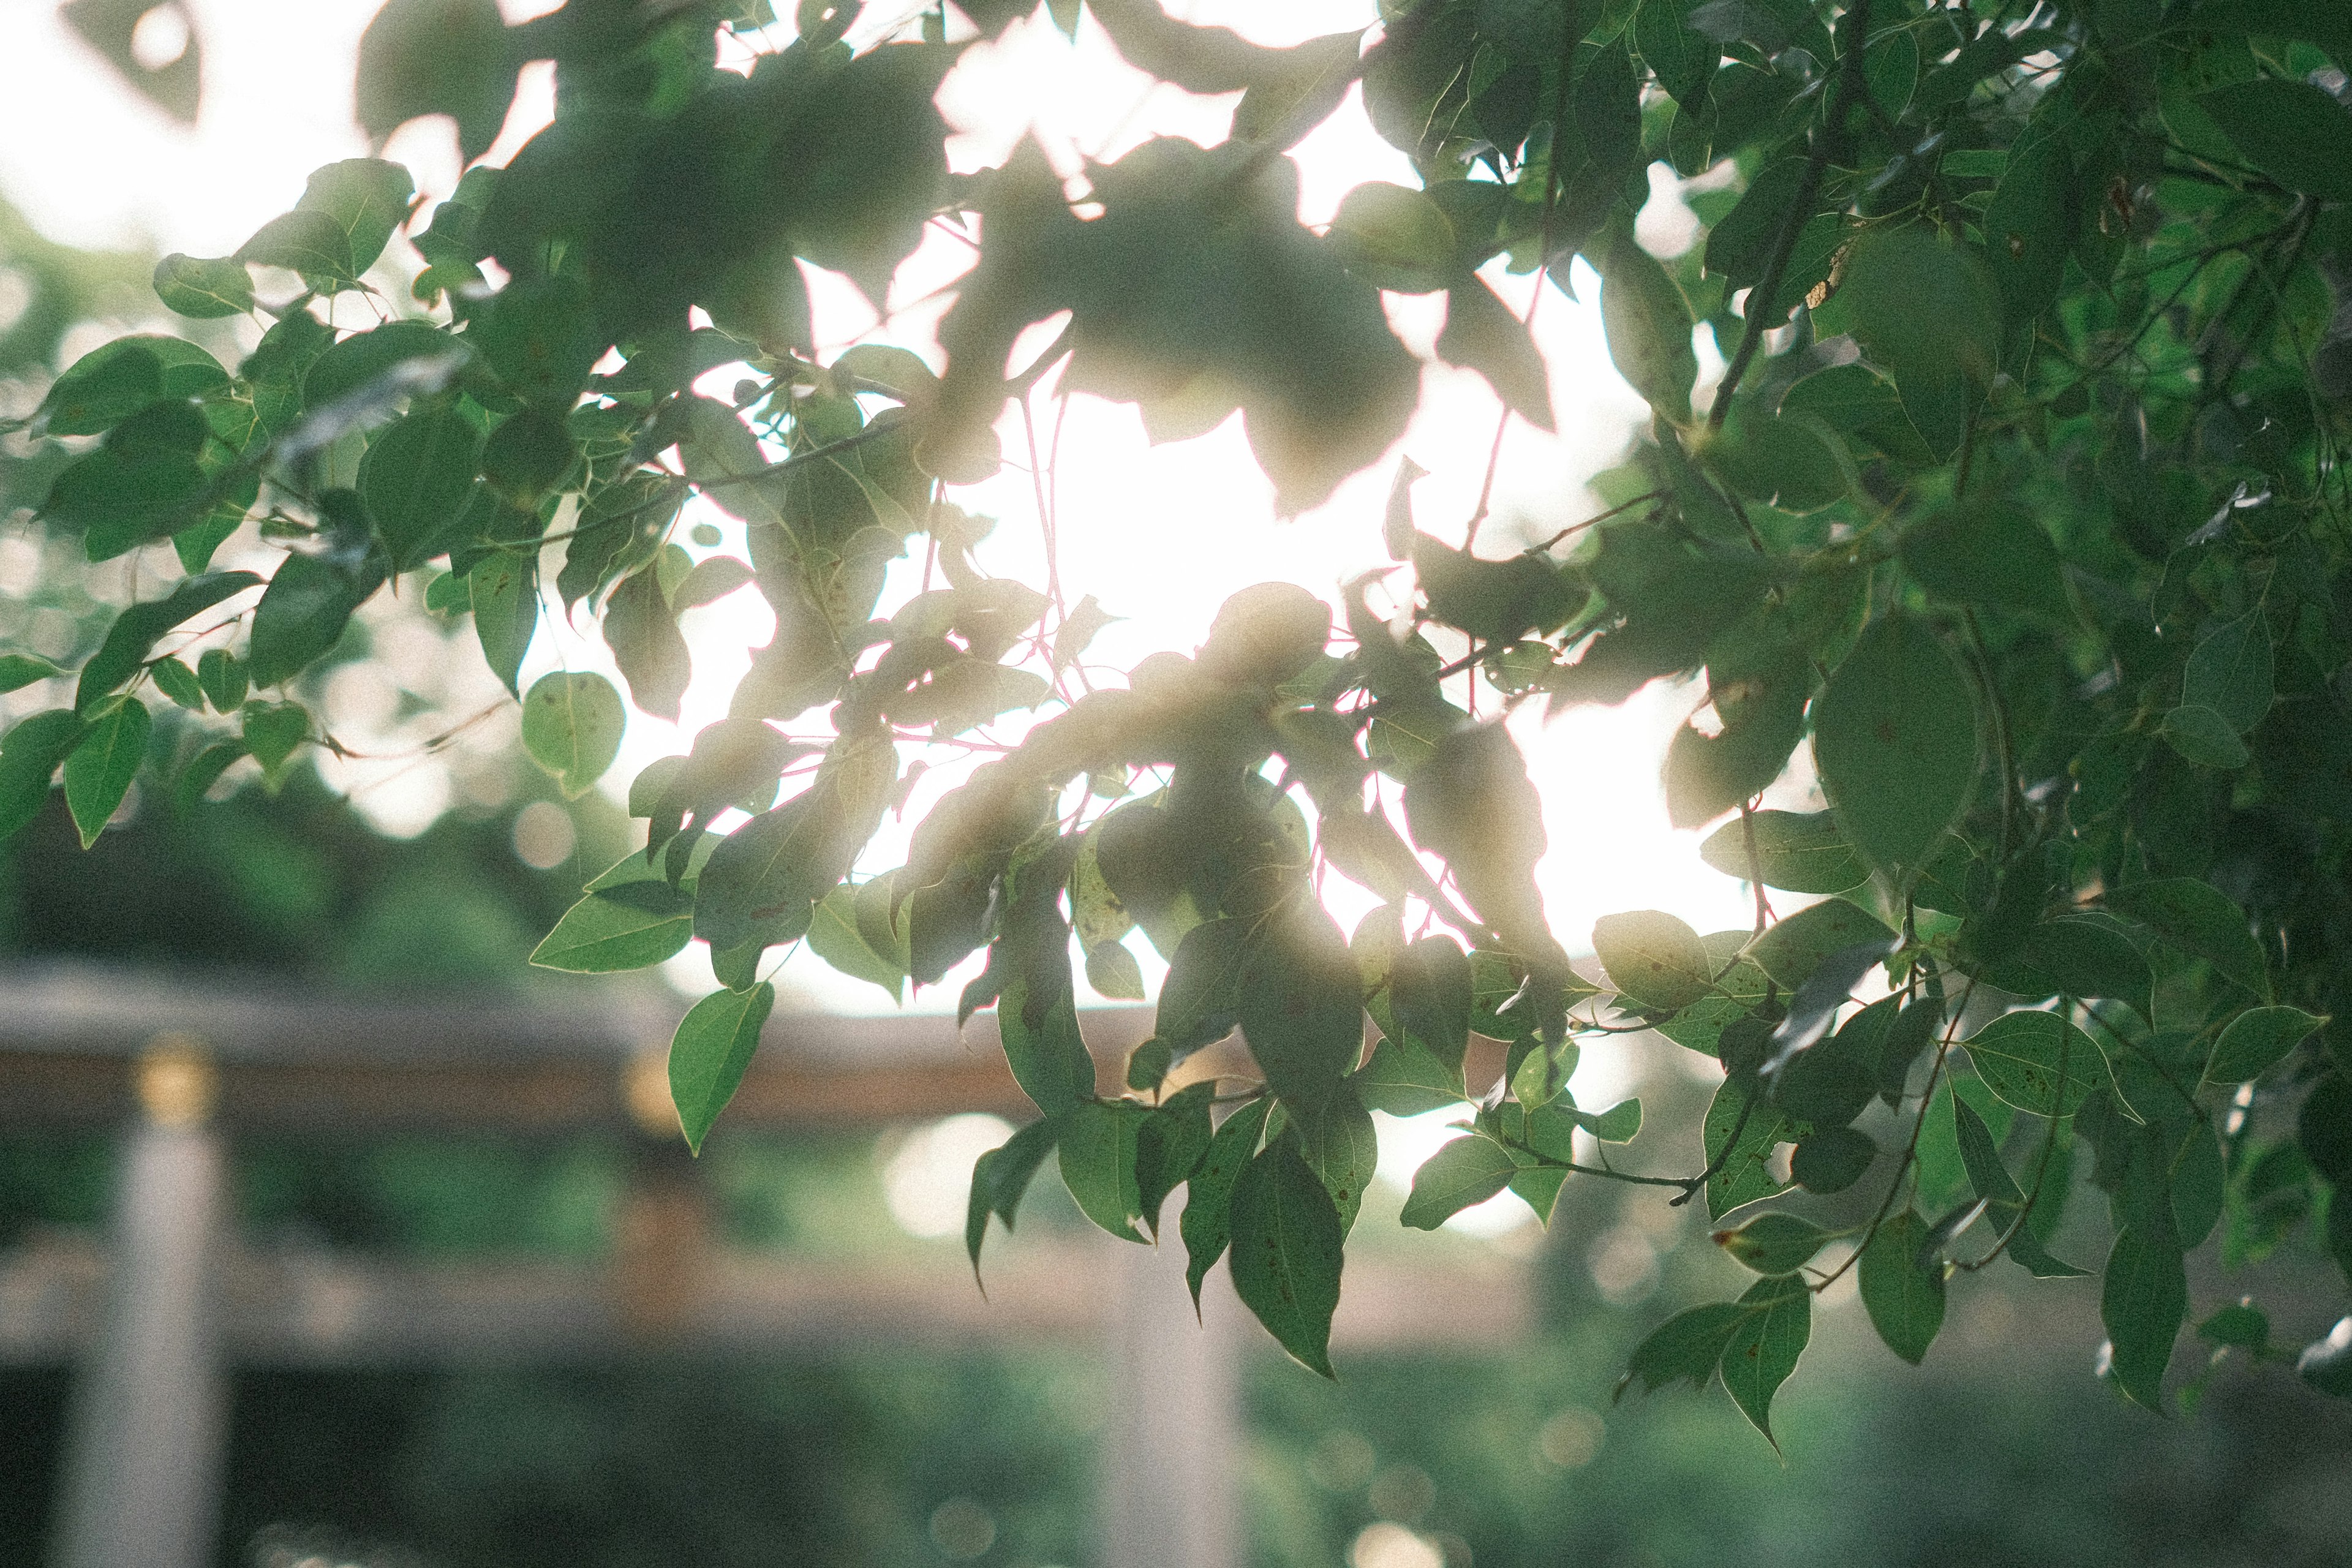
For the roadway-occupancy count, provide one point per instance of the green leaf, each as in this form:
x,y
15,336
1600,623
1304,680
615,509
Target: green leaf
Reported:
x,y
1340,1145
572,727
708,1055
2205,738
1831,1159
222,676
2195,918
2037,1061
1940,357
309,242
1301,1005
18,670
2290,131
1774,1243
1429,994
1482,334
1684,60
2231,671
1794,947
1404,1078
1764,1348
136,630
1097,1152
100,769
2086,958
120,378
1688,1345
1200,1002
303,612
1462,1173
1647,324
29,756
272,731
2143,1299
1800,851
203,771
365,199
372,359
1993,556
1001,1177
527,454
1170,1145
178,682
1894,736
1901,1291
437,57
503,590
642,631
1652,959
2003,1198
416,479
1286,1253
1392,237
632,919
1113,972
837,935
2028,229
1743,1169
203,289
1207,1224
2257,1040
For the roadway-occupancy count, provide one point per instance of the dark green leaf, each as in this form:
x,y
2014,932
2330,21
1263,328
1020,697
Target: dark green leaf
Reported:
x,y
1000,1178
118,379
1404,1078
2037,1062
136,630
1800,851
1903,1292
1773,1243
416,479
503,591
100,769
2290,131
1895,735
1461,1174
18,670
272,731
1338,1140
1688,1345
1097,1153
303,612
1301,1005
1286,1253
1993,555
1742,1165
2142,1301
1200,1002
1941,358
2257,1040
29,756
1171,1146
2193,917
708,1055
178,682
437,57
1207,1222
1793,948
2231,671
1832,1159
642,631
1764,1347
1648,326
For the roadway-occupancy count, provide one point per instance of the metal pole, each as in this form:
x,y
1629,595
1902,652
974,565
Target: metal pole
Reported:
x,y
142,1478
1169,1498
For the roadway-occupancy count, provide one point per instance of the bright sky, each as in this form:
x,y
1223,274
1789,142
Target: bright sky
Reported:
x,y
1159,535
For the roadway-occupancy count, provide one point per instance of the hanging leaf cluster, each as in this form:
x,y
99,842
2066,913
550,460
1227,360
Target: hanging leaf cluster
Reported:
x,y
2018,504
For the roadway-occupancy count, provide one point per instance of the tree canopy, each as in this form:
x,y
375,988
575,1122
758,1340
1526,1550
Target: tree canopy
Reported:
x,y
2018,501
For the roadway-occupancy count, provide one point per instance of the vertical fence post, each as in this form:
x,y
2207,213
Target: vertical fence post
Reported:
x,y
141,1487
1169,1498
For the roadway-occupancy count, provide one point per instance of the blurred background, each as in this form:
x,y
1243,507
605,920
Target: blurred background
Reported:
x,y
465,1302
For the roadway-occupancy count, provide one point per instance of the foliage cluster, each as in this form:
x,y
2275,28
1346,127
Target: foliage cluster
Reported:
x,y
2018,497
